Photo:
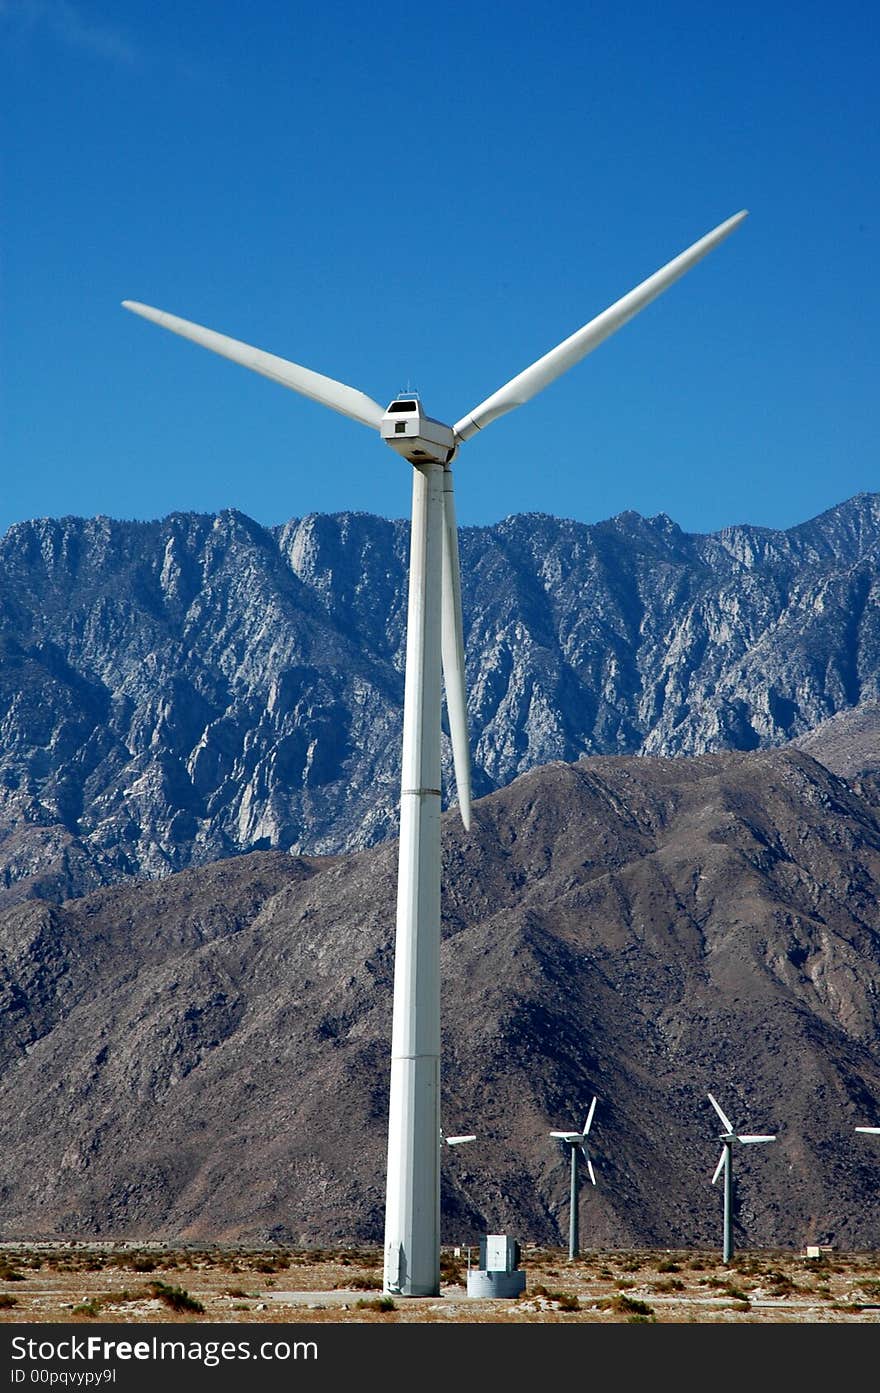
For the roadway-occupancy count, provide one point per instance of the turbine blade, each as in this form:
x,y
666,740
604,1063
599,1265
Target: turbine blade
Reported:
x,y
347,400
728,1125
589,1120
720,1167
541,373
756,1137
875,1131
456,1141
452,645
567,1136
590,1170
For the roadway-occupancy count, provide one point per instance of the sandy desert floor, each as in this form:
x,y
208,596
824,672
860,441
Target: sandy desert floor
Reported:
x,y
149,1283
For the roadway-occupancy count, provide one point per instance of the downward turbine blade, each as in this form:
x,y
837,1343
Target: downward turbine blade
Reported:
x,y
728,1125
452,652
347,400
540,374
756,1137
590,1170
720,1167
589,1120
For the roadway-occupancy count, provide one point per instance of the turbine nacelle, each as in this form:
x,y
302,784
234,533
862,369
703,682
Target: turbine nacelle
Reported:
x,y
730,1135
419,438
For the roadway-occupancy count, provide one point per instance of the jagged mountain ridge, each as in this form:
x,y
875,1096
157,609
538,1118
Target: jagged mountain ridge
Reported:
x,y
206,1057
187,689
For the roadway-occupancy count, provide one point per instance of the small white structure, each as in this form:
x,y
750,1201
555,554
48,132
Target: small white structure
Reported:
x,y
498,1274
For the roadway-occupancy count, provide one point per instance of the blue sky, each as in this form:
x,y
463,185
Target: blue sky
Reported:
x,y
402,196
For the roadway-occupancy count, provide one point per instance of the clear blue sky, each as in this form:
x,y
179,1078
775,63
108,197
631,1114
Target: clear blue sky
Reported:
x,y
402,195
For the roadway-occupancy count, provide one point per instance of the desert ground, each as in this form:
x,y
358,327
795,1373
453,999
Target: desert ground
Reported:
x,y
149,1283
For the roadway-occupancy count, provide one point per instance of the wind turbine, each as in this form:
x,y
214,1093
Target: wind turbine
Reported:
x,y
577,1144
434,626
728,1136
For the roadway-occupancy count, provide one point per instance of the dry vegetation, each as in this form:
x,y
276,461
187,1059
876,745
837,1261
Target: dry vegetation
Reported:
x,y
151,1283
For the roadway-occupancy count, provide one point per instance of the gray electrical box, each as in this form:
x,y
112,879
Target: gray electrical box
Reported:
x,y
499,1253
498,1273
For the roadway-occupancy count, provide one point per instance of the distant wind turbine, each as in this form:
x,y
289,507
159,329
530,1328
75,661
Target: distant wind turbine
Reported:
x,y
728,1136
577,1145
434,628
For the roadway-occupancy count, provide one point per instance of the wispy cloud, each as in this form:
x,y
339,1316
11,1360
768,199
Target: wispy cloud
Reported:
x,y
71,25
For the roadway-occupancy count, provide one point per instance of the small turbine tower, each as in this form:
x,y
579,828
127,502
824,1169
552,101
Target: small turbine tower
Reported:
x,y
728,1136
577,1144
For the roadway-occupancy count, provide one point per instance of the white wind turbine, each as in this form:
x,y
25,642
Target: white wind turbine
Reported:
x,y
434,626
728,1136
577,1144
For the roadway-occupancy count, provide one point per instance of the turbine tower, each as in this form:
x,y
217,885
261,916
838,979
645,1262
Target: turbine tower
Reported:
x,y
728,1136
577,1144
434,626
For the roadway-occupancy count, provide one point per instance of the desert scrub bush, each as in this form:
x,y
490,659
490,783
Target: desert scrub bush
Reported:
x,y
87,1309
10,1274
7,1300
176,1298
736,1292
379,1303
670,1284
870,1288
364,1283
628,1305
630,1264
623,1283
667,1266
451,1270
567,1301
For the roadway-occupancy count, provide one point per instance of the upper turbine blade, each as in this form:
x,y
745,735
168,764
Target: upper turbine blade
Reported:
x,y
757,1137
452,646
720,1166
347,400
541,373
728,1125
590,1117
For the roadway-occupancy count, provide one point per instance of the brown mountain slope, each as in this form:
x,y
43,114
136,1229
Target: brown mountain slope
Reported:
x,y
207,1056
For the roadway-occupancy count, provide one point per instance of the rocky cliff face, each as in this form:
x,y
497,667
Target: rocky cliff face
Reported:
x,y
183,690
206,1056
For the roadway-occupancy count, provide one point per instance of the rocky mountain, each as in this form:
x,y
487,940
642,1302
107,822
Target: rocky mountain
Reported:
x,y
178,691
206,1056
848,743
